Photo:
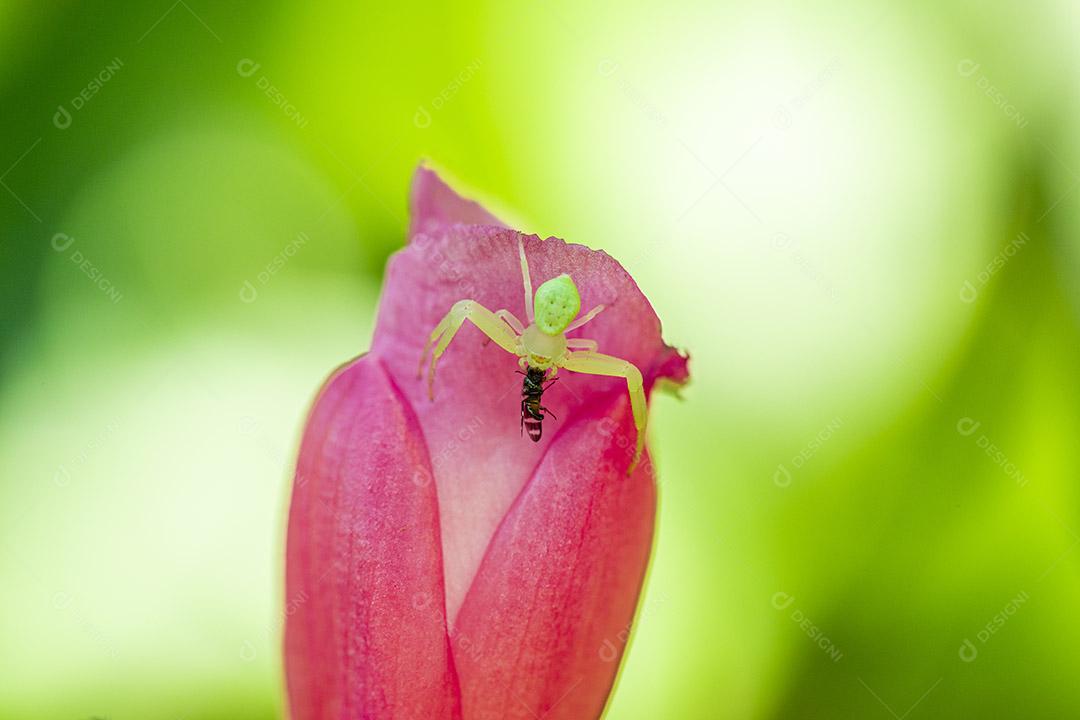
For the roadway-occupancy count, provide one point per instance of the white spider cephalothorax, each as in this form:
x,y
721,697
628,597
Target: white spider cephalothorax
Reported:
x,y
542,344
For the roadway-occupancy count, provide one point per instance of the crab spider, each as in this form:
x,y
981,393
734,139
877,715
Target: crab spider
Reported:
x,y
541,343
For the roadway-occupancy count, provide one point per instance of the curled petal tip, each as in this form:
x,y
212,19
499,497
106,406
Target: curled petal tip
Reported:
x,y
672,365
432,202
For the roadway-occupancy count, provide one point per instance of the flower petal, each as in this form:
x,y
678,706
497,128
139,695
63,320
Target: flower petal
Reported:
x,y
477,393
365,632
432,203
543,627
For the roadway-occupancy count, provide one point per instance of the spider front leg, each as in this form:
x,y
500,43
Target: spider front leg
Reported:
x,y
510,319
594,363
444,332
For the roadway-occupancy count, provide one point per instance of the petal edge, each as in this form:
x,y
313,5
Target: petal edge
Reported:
x,y
365,630
543,627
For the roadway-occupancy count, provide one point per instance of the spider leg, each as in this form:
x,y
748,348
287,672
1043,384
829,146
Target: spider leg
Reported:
x,y
582,344
528,281
510,319
594,363
585,318
444,332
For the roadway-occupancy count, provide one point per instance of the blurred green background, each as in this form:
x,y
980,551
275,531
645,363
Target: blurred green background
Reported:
x,y
862,219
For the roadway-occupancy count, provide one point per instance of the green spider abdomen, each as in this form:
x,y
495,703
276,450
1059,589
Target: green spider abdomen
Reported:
x,y
556,304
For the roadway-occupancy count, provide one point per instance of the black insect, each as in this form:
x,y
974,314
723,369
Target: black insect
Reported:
x,y
532,412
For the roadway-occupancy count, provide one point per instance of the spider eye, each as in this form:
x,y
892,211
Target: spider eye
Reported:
x,y
556,304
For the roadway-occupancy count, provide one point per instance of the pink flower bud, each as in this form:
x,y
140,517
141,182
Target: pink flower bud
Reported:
x,y
440,565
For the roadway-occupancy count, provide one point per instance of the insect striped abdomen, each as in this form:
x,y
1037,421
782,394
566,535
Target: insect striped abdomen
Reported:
x,y
535,428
